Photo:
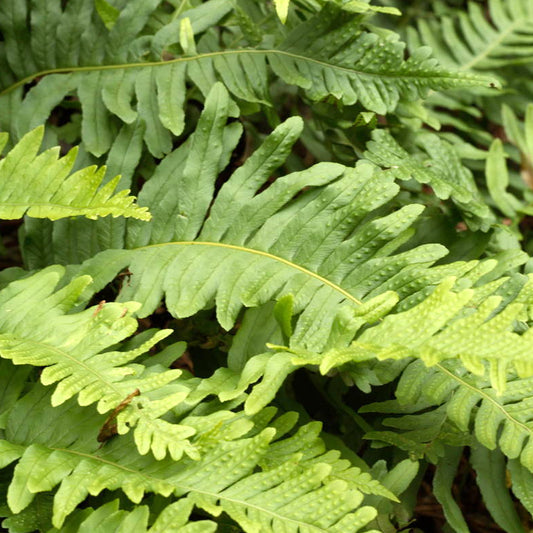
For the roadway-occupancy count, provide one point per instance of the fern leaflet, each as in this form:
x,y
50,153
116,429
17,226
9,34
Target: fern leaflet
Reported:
x,y
41,187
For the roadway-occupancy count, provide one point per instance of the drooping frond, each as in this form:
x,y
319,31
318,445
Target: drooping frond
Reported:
x,y
449,318
439,410
42,186
472,43
433,331
243,470
500,421
329,55
437,164
324,246
76,353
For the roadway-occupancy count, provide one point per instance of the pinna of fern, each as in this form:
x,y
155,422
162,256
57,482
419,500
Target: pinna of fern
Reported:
x,y
326,247
120,77
42,186
58,444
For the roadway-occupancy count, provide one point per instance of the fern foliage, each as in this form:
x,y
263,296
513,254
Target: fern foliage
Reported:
x,y
328,55
73,352
40,185
317,307
254,254
494,40
472,43
289,495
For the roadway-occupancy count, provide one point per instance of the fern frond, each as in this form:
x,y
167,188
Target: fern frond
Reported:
x,y
437,164
354,65
496,41
74,349
42,186
449,318
473,44
496,420
305,492
330,55
324,247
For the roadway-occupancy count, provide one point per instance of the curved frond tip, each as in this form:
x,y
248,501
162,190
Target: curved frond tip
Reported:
x,y
42,185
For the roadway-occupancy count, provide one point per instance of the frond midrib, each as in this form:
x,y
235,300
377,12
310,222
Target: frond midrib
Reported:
x,y
69,70
261,253
188,489
486,397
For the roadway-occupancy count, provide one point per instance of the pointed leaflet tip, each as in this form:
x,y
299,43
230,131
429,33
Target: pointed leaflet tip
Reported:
x,y
282,9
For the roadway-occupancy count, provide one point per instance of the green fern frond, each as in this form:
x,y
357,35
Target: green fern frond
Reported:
x,y
74,350
354,65
42,186
496,420
449,318
309,491
473,44
248,248
330,55
496,41
437,164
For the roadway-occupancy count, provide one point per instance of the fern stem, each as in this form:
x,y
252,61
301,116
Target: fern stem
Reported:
x,y
266,52
486,397
290,264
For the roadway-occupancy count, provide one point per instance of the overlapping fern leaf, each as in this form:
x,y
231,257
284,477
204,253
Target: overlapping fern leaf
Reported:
x,y
319,254
77,355
324,246
42,186
473,43
441,409
436,163
247,467
449,316
498,42
119,75
470,402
